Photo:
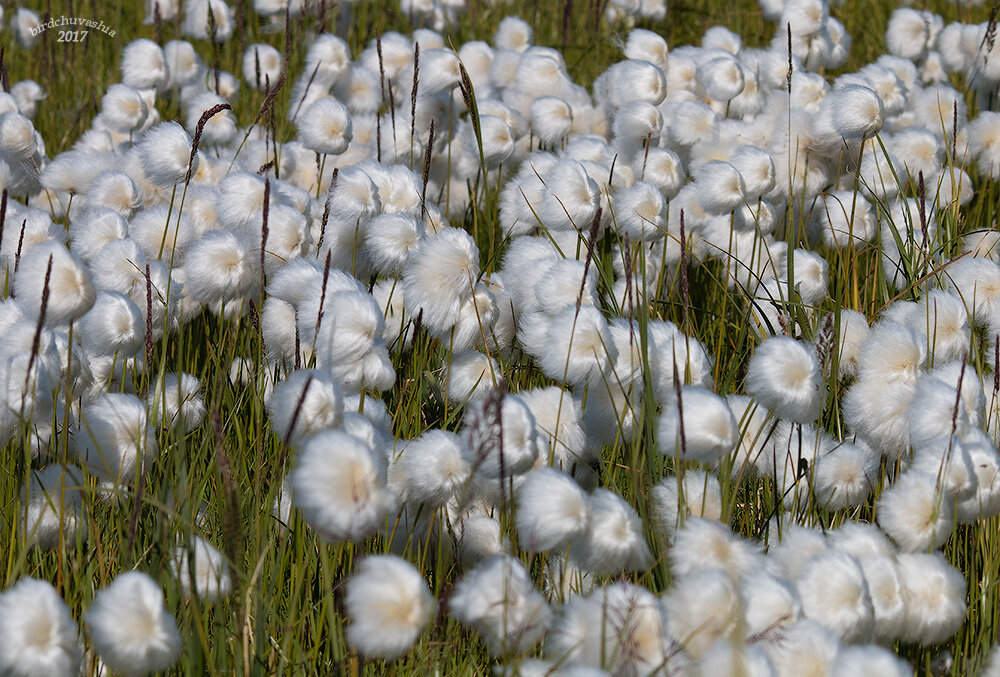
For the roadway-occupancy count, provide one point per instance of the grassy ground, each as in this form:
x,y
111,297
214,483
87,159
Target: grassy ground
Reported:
x,y
283,616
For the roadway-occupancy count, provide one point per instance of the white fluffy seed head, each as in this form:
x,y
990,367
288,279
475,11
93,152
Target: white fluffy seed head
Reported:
x,y
784,377
791,546
183,63
329,56
70,292
950,463
840,217
552,509
202,570
703,543
116,191
439,276
162,235
558,424
835,594
220,267
770,604
723,78
935,411
571,197
220,128
806,648
388,605
176,402
497,598
240,201
915,512
197,24
115,440
431,468
706,432
701,609
144,65
439,70
911,32
845,476
123,109
339,486
635,124
351,335
673,499
621,627
892,352
561,284
164,151
262,66
640,212
497,138
325,126
578,346
130,628
51,506
646,45
985,502
26,26
720,187
17,135
501,437
935,598
471,374
756,168
856,110
551,119
805,17
752,420
513,33
307,402
877,412
93,229
113,325
872,660
635,80
614,540
389,239
663,168
886,590
38,634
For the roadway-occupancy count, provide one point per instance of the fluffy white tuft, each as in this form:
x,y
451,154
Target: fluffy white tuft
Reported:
x,y
339,484
552,509
130,628
388,604
706,432
201,569
835,594
915,512
614,540
674,498
498,599
37,633
784,377
431,468
935,598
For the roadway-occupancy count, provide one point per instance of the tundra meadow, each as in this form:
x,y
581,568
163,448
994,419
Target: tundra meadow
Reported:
x,y
454,337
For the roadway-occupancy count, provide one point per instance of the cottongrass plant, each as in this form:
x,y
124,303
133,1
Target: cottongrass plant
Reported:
x,y
40,637
131,630
440,354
